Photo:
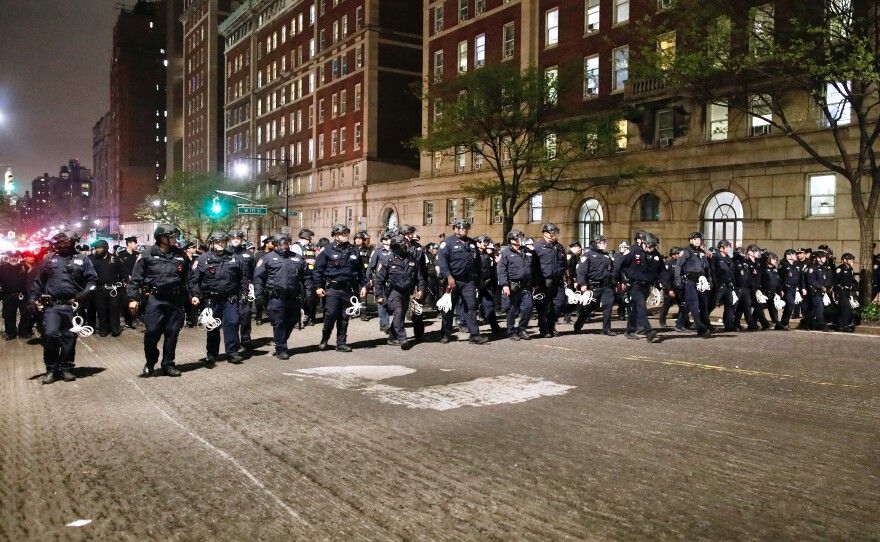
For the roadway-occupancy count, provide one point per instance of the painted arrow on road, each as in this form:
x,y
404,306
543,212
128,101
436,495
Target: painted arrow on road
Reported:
x,y
487,391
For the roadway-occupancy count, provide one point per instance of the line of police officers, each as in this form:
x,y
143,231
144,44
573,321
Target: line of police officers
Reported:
x,y
288,279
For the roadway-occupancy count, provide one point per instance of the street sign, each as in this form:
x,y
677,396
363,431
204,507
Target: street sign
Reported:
x,y
286,229
294,213
252,210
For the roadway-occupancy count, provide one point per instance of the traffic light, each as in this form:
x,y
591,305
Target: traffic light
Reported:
x,y
216,207
9,182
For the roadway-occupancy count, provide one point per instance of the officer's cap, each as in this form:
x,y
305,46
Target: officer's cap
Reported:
x,y
574,244
407,229
789,252
696,235
825,248
305,233
189,244
132,239
339,228
820,254
461,224
847,256
549,227
102,244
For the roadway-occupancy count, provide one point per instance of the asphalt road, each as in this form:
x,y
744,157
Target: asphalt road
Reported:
x,y
758,436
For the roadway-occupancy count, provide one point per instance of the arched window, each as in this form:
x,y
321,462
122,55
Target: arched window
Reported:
x,y
590,220
648,208
389,220
722,219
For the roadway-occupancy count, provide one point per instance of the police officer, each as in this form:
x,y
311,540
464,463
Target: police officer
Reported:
x,y
216,282
159,284
395,282
820,282
771,286
282,278
307,252
408,232
551,277
691,271
790,276
340,275
247,262
748,282
724,271
666,281
361,242
64,278
14,289
431,281
488,283
845,285
516,268
127,258
594,274
460,268
637,271
572,259
109,286
380,256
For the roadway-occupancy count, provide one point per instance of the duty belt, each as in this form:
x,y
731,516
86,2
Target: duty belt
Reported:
x,y
341,285
165,292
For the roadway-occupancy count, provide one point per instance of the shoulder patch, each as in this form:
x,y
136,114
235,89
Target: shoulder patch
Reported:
x,y
195,264
443,245
583,259
261,262
839,270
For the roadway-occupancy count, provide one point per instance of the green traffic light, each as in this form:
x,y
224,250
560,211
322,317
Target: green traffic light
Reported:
x,y
216,208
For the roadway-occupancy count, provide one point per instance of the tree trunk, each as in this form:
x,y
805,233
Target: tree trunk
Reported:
x,y
507,225
866,256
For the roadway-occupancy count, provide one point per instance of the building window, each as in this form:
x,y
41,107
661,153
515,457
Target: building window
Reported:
x,y
620,60
459,158
591,17
550,146
428,213
357,97
334,142
342,132
621,136
359,18
551,24
480,6
666,50
722,219
536,208
551,79
591,76
838,104
497,212
477,157
343,97
462,10
761,36
480,51
469,209
665,128
509,37
438,66
649,208
356,174
451,211
716,121
462,57
334,105
822,194
438,19
357,136
621,11
760,114
590,221
321,110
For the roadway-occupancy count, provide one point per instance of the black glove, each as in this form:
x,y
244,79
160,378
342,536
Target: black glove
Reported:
x,y
82,297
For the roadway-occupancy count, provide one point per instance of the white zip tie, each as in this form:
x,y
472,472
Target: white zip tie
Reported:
x,y
356,307
80,329
445,302
778,302
207,320
251,296
415,306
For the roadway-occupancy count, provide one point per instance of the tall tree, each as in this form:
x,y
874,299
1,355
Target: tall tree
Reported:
x,y
808,70
186,200
521,123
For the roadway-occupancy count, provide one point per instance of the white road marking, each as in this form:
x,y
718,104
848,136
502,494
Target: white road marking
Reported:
x,y
78,523
494,390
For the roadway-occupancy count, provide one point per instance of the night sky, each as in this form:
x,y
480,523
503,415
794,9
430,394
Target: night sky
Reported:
x,y
54,82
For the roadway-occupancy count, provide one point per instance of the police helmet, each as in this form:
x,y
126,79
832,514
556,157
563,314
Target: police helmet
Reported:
x,y
771,256
407,229
461,224
100,243
236,233
281,238
432,246
820,254
515,234
622,246
165,230
397,242
388,233
847,256
67,235
599,239
217,236
361,235
575,244
483,239
549,227
305,233
724,243
674,251
651,240
639,235
339,228
696,235
270,239
189,244
753,248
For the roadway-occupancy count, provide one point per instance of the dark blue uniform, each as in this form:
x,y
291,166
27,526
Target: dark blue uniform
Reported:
x,y
790,274
771,286
62,279
725,276
14,286
488,285
692,264
110,284
844,286
310,300
459,259
594,271
248,263
161,278
395,282
639,269
418,253
516,269
282,279
340,271
820,281
748,281
379,257
219,281
550,266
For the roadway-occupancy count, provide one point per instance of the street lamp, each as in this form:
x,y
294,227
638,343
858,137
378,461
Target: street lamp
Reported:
x,y
241,170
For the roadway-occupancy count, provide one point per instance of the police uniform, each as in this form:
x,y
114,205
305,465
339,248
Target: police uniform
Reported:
x,y
431,281
310,301
109,286
459,259
247,263
748,282
395,282
282,278
594,272
844,286
550,266
364,251
340,271
63,278
771,286
820,282
126,263
639,269
14,287
420,256
516,269
219,281
724,273
159,280
691,266
379,257
488,284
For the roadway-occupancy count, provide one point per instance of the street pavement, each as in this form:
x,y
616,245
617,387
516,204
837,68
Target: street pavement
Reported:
x,y
751,436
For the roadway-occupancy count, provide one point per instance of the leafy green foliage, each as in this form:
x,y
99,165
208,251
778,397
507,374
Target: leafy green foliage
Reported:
x,y
870,312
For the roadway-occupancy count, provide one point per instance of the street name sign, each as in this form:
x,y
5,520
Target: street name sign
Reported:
x,y
252,210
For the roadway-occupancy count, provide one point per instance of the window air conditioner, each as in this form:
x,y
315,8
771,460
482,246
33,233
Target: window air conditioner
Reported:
x,y
592,27
496,219
478,165
763,129
666,141
663,4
